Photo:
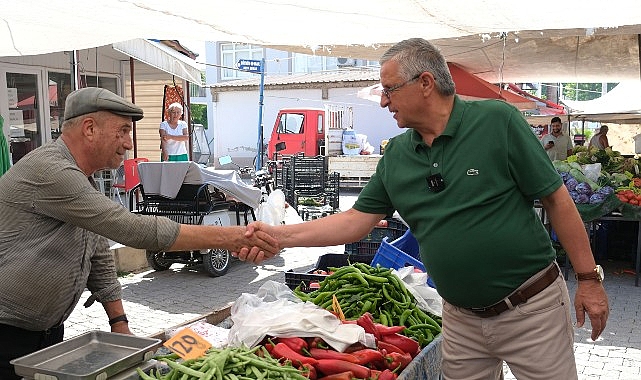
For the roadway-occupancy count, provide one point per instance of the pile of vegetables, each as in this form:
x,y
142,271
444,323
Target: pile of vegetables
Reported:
x,y
317,360
228,363
360,288
618,175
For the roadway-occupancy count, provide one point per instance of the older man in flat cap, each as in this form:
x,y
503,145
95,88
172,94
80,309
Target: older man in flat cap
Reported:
x,y
55,224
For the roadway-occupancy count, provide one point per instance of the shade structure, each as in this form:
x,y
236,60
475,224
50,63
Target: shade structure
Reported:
x,y
468,86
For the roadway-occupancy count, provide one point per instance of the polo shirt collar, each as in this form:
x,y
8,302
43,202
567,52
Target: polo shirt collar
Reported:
x,y
453,124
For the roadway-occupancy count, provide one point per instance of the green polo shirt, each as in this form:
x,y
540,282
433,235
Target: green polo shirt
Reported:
x,y
480,238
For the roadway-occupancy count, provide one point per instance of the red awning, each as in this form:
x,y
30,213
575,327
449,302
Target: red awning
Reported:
x,y
469,86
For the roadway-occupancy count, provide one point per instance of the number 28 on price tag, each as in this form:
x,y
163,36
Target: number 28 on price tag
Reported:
x,y
188,344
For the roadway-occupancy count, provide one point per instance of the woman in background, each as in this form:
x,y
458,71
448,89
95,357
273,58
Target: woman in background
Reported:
x,y
174,134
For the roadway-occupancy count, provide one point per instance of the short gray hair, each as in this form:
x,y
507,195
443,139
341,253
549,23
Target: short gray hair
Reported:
x,y
417,55
175,105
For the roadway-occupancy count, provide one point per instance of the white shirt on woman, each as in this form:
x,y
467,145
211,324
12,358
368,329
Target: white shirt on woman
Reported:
x,y
174,147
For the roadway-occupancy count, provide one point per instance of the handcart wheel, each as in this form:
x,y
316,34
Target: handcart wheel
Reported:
x,y
156,260
216,261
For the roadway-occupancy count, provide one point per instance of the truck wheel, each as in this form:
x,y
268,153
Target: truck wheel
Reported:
x,y
156,260
216,261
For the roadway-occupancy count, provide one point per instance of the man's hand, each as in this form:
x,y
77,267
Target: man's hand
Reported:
x,y
590,297
255,255
256,243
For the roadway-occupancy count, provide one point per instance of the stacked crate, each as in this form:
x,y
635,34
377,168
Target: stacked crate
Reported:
x,y
307,185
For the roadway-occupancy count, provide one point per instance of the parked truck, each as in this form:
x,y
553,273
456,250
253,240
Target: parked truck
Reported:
x,y
319,131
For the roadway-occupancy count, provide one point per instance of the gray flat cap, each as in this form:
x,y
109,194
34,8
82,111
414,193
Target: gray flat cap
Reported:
x,y
93,99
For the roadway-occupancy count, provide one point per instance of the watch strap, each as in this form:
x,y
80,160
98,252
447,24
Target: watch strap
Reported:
x,y
593,275
120,318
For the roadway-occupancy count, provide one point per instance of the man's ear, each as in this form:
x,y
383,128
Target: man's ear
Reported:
x,y
89,127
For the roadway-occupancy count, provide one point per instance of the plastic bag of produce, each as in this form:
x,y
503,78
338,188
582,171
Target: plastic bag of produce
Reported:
x,y
427,298
274,310
592,171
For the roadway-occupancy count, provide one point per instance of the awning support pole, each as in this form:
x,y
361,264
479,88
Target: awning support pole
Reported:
x,y
133,100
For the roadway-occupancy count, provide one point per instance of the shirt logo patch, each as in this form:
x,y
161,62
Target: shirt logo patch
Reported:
x,y
472,172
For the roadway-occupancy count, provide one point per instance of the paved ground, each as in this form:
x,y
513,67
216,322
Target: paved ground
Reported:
x,y
159,300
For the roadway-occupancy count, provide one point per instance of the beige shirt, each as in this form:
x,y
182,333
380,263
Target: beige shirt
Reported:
x,y
54,226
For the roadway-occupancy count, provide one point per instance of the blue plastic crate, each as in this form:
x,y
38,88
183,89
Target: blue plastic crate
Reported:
x,y
400,253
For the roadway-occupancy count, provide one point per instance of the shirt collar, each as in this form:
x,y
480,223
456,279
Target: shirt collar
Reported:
x,y
453,124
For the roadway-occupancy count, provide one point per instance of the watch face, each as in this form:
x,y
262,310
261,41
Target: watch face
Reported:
x,y
600,272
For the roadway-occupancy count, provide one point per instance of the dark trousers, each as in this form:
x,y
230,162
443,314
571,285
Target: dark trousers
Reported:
x,y
16,342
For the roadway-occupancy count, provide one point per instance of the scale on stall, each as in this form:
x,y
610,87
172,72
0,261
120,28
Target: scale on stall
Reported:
x,y
95,355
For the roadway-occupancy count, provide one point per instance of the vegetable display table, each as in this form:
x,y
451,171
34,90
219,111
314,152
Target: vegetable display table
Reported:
x,y
427,364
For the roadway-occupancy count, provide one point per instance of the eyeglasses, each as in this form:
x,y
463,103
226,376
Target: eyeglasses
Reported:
x,y
388,91
436,183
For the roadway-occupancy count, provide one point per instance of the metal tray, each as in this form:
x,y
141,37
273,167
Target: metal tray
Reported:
x,y
95,355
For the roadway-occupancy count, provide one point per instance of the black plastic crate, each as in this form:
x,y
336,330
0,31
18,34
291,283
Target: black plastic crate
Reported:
x,y
329,260
370,243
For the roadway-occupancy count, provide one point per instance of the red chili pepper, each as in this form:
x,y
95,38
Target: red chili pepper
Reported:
x,y
309,371
296,344
269,346
317,342
406,344
387,375
282,351
367,323
388,347
368,356
333,366
386,330
396,361
319,353
348,375
355,347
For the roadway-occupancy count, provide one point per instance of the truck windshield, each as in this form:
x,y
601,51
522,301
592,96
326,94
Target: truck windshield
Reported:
x,y
291,123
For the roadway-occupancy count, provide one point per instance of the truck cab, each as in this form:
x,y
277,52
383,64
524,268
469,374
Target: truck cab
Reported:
x,y
301,129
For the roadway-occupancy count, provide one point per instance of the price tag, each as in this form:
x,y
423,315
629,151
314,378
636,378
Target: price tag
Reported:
x,y
187,344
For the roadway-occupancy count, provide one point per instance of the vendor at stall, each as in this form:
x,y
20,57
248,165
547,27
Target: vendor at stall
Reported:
x,y
55,224
464,176
557,145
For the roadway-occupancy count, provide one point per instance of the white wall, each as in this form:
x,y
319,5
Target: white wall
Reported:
x,y
235,117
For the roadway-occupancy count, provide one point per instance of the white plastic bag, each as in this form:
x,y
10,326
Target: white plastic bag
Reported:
x,y
427,298
272,211
592,171
274,310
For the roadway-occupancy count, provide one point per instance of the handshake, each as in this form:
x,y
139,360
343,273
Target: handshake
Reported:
x,y
259,242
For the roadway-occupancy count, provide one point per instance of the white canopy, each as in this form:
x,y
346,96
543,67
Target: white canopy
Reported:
x,y
597,40
621,105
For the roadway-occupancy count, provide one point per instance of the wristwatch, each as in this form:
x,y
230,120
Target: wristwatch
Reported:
x,y
596,274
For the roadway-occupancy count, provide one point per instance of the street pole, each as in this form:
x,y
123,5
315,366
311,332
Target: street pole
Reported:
x,y
259,157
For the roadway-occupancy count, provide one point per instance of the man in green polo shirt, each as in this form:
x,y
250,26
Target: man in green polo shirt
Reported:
x,y
464,176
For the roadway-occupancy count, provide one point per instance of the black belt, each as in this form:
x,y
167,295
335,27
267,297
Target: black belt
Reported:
x,y
521,295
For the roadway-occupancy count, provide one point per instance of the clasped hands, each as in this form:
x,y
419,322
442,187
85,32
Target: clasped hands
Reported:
x,y
260,244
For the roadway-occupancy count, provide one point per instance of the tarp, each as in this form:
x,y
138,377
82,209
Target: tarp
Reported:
x,y
468,86
621,105
500,41
161,57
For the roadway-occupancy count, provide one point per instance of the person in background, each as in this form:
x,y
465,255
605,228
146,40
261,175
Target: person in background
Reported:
x,y
55,227
460,179
556,144
174,135
600,140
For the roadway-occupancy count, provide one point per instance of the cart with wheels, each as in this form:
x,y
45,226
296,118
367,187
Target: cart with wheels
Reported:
x,y
190,194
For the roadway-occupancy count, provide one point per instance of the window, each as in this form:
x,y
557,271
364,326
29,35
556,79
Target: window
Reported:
x,y
305,63
230,53
319,127
60,87
291,123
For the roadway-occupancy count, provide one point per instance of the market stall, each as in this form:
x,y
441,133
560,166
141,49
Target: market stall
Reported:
x,y
605,186
276,332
